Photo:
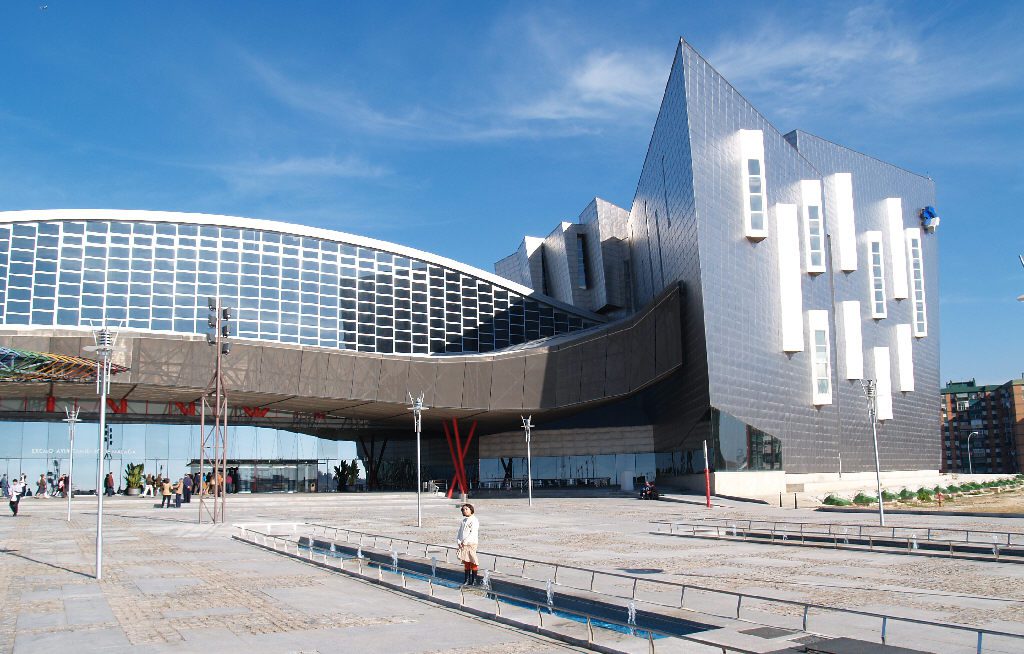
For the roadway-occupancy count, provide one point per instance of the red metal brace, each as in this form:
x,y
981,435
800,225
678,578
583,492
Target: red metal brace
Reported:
x,y
458,453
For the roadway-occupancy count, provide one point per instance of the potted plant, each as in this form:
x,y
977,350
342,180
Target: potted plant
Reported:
x,y
133,478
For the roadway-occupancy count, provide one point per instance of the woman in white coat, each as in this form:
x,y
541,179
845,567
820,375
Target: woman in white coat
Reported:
x,y
467,541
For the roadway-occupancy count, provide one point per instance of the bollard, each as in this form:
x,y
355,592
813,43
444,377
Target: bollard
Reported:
x,y
794,501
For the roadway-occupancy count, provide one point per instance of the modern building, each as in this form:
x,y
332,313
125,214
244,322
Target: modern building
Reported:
x,y
753,283
988,422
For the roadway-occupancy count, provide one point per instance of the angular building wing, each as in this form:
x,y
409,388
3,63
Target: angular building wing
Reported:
x,y
805,268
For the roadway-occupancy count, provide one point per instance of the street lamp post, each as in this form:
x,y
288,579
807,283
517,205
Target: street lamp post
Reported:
x,y
528,426
104,347
72,419
417,409
871,390
970,463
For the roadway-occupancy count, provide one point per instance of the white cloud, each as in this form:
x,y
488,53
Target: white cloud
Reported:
x,y
872,61
604,86
263,177
351,167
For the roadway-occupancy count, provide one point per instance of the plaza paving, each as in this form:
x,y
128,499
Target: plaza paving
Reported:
x,y
171,584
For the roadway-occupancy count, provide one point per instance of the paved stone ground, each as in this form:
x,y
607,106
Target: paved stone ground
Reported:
x,y
170,583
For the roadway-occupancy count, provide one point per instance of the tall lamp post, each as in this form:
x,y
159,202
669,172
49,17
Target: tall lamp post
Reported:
x,y
970,463
69,488
417,409
528,427
871,390
104,347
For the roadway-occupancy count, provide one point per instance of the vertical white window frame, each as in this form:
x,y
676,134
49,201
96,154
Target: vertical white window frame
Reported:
x,y
897,251
915,257
846,224
755,193
905,357
883,383
814,226
853,339
876,274
821,357
790,291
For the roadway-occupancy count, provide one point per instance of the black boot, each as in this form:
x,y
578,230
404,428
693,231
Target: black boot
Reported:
x,y
474,578
467,578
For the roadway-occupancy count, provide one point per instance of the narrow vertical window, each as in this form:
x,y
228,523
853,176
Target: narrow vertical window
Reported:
x,y
581,261
753,177
755,188
814,226
920,318
877,268
821,357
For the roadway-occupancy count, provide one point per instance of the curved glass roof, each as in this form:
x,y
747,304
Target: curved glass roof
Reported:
x,y
291,284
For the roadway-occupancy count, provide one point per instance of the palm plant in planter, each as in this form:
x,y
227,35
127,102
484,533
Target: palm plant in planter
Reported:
x,y
133,478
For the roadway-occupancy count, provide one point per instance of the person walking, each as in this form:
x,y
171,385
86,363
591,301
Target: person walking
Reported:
x,y
179,488
165,493
16,490
186,488
147,487
108,484
41,486
5,486
467,541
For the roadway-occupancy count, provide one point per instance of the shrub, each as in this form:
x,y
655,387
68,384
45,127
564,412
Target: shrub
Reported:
x,y
832,500
888,496
924,495
863,500
940,489
952,488
906,495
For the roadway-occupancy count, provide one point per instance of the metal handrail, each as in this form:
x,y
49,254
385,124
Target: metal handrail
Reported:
x,y
537,606
740,597
927,533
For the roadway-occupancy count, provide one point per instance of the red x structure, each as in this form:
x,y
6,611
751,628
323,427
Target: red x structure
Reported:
x,y
458,450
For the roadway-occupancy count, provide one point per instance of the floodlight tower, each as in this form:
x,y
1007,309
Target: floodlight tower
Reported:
x,y
213,417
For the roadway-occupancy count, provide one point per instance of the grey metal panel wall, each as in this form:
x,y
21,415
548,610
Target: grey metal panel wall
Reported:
x,y
567,382
617,368
340,370
663,242
476,393
243,371
593,365
536,366
911,440
394,380
313,380
422,378
507,383
365,377
749,375
451,376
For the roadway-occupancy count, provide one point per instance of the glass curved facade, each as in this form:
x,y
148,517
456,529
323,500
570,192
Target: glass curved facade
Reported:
x,y
287,288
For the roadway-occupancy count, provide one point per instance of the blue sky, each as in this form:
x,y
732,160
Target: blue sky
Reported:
x,y
458,127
